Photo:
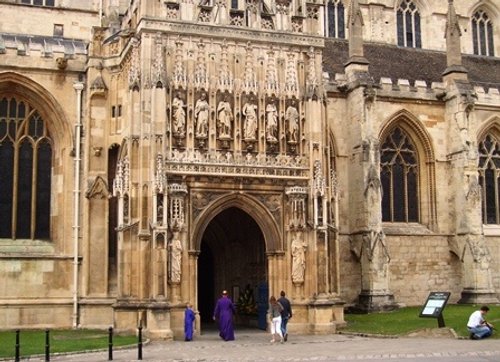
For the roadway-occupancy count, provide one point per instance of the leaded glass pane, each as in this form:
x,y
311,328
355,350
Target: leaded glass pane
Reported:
x,y
398,192
489,176
42,230
418,36
341,22
3,108
412,196
6,182
474,36
400,26
385,178
24,193
3,129
35,126
491,47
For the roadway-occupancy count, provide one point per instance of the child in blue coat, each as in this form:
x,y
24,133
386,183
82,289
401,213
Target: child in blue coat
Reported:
x,y
188,322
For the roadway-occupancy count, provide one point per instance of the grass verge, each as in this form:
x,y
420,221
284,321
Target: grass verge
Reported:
x,y
407,320
32,342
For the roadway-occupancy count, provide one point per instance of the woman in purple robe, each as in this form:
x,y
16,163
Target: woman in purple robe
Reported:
x,y
223,313
188,322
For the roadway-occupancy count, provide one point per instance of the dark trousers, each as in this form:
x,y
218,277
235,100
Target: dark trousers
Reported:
x,y
284,321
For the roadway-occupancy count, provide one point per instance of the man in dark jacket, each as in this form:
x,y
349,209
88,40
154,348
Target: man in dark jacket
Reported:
x,y
286,314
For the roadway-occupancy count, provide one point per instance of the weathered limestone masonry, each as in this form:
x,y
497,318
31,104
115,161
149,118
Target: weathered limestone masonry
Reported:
x,y
211,120
201,146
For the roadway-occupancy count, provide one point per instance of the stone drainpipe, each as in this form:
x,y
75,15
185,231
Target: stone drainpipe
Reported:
x,y
76,194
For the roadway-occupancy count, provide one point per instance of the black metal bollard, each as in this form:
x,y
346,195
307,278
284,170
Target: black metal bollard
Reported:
x,y
17,359
47,345
139,344
110,344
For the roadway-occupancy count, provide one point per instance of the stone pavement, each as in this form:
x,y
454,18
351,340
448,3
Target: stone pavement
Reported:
x,y
254,345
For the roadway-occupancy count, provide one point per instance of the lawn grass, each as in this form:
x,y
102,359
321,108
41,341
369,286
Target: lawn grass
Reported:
x,y
32,342
406,320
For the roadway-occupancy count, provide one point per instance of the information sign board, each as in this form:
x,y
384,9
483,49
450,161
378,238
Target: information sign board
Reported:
x,y
433,307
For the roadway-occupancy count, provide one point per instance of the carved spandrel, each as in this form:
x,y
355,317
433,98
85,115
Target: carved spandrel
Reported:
x,y
200,201
274,203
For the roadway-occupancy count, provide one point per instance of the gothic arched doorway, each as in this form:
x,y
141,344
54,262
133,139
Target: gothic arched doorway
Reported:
x,y
232,257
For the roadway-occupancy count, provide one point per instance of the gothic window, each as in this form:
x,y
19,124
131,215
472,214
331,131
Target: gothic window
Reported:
x,y
25,180
399,176
336,19
482,34
408,24
489,172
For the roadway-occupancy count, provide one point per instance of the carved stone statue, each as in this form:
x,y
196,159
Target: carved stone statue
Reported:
x,y
225,118
250,127
292,120
175,259
271,122
201,113
298,259
179,115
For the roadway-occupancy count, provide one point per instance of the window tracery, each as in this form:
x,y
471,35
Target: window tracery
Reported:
x,y
408,25
489,172
336,19
482,34
399,175
25,180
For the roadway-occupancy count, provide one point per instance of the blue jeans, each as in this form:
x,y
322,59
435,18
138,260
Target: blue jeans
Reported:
x,y
481,331
284,321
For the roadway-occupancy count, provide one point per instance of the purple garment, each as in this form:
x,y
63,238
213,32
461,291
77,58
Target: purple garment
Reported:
x,y
223,313
188,324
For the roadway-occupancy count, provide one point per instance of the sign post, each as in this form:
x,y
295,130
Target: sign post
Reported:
x,y
433,307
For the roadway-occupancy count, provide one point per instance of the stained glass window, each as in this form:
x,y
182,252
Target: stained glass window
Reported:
x,y
482,34
399,176
408,25
336,19
489,168
25,180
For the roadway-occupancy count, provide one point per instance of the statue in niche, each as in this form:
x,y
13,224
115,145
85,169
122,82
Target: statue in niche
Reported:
x,y
250,127
179,115
225,118
201,113
175,258
292,120
271,122
298,259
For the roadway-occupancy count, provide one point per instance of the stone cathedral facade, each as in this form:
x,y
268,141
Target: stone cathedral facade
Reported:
x,y
155,153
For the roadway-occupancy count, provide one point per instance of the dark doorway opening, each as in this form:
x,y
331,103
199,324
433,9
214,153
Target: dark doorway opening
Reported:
x,y
232,257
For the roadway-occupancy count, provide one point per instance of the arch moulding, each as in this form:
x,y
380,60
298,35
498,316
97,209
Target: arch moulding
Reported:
x,y
423,142
415,129
255,209
492,125
48,107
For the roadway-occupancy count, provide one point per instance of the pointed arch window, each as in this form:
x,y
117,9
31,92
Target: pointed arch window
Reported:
x,y
482,34
408,24
336,19
25,179
399,175
489,172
